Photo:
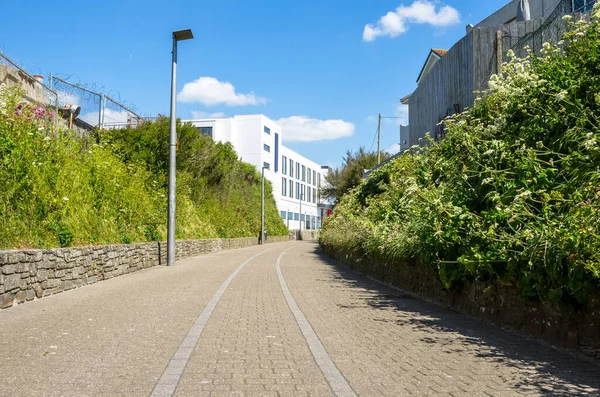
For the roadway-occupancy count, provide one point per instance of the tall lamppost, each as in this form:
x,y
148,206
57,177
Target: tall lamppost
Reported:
x,y
179,35
262,206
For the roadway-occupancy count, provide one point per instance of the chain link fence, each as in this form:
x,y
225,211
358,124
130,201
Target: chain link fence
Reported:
x,y
95,109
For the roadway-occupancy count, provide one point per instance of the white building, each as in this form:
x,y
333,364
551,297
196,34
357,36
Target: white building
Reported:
x,y
258,140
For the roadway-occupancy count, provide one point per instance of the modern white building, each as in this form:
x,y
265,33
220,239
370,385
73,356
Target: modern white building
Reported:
x,y
296,180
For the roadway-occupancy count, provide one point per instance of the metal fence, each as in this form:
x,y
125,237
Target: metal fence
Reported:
x,y
36,91
97,110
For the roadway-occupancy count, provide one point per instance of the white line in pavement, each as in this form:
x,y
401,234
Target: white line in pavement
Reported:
x,y
170,378
336,380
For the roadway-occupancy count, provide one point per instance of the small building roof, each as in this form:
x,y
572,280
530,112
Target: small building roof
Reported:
x,y
434,55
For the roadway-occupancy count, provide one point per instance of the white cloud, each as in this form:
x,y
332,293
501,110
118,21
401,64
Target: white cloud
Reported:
x,y
304,129
198,114
402,112
394,23
110,117
393,149
211,92
68,98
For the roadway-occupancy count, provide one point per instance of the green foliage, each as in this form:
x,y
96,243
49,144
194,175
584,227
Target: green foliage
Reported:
x,y
510,194
341,180
59,190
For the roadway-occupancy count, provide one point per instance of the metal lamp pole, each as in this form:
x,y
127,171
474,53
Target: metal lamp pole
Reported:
x,y
262,207
179,35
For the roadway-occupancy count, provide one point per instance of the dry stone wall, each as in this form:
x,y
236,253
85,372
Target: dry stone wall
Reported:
x,y
26,275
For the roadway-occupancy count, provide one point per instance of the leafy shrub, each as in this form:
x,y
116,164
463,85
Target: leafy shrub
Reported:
x,y
512,193
60,190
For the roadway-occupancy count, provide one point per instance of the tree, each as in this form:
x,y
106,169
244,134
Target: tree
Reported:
x,y
341,180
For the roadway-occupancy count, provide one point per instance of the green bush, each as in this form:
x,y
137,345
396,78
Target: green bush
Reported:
x,y
60,190
512,193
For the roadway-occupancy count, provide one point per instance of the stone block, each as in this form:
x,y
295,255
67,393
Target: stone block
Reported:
x,y
20,297
38,290
12,282
51,283
9,269
30,294
6,300
42,275
68,285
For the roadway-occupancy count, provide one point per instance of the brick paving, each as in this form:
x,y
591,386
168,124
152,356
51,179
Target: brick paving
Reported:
x,y
117,337
388,344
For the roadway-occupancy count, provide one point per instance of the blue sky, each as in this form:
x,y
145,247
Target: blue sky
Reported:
x,y
308,63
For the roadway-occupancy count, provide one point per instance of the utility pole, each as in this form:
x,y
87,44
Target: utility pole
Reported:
x,y
379,140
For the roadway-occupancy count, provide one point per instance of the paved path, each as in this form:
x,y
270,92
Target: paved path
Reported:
x,y
278,320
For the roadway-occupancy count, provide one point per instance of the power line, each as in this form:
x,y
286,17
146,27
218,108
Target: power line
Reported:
x,y
374,138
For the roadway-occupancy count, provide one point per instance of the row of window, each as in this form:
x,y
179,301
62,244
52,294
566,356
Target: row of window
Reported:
x,y
312,222
302,173
303,192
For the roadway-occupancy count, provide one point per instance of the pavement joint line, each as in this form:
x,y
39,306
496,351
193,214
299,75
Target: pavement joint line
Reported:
x,y
334,377
167,384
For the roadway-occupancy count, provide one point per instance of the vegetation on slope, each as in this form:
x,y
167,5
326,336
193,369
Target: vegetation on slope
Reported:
x,y
60,190
513,191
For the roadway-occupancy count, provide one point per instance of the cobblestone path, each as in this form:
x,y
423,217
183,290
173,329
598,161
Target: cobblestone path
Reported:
x,y
276,320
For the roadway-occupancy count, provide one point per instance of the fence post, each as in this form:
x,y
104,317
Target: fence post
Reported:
x,y
499,53
100,111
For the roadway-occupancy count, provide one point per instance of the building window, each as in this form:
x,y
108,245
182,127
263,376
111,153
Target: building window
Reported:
x,y
302,217
267,148
283,214
297,191
284,165
315,178
298,171
308,176
296,216
582,5
266,165
291,168
308,196
290,216
208,131
291,195
315,196
267,130
283,186
319,181
303,174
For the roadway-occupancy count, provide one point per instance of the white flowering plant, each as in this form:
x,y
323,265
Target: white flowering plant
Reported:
x,y
511,194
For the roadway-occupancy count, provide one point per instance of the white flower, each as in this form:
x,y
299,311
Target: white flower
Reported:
x,y
579,34
567,17
66,198
561,96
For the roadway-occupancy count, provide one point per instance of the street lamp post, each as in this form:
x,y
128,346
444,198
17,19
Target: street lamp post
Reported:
x,y
179,35
262,207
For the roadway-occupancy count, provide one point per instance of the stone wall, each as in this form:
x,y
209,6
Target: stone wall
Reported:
x,y
34,92
493,302
305,235
26,275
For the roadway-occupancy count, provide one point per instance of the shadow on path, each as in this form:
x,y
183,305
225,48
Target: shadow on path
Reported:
x,y
540,369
